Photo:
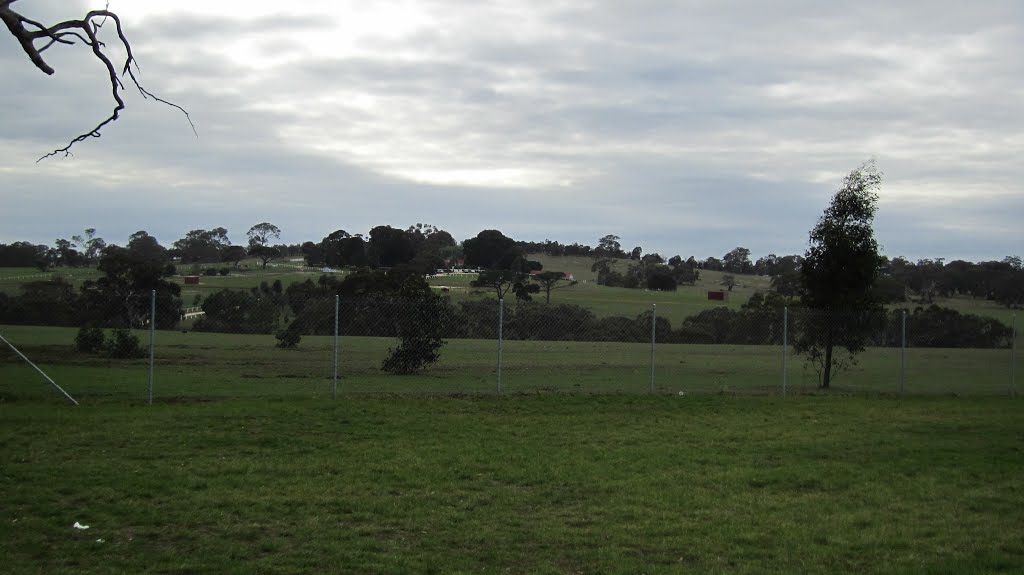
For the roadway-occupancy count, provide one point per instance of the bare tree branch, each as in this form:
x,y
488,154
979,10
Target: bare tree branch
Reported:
x,y
28,32
60,38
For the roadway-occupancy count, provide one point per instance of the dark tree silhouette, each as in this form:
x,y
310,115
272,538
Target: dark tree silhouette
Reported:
x,y
838,274
36,38
549,281
259,242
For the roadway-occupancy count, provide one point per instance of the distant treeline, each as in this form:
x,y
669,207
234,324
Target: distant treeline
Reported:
x,y
120,297
56,302
369,307
426,248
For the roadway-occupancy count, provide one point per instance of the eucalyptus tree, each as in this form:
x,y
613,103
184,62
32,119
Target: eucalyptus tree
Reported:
x,y
838,274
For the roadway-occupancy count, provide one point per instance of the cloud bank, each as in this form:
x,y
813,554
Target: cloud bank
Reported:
x,y
683,127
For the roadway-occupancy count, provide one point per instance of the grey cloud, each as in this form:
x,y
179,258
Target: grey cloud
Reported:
x,y
660,113
188,29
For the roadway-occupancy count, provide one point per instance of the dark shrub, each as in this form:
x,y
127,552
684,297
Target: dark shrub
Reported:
x,y
235,311
661,281
123,345
289,337
421,331
89,340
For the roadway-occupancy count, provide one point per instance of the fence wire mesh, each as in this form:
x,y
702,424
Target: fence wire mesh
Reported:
x,y
557,347
853,351
723,350
272,342
971,355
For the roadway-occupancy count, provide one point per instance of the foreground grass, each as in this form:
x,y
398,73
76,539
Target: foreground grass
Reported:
x,y
524,484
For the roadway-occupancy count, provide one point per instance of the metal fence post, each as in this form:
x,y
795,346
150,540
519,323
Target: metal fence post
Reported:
x,y
654,339
152,341
785,348
334,385
1013,356
501,326
903,353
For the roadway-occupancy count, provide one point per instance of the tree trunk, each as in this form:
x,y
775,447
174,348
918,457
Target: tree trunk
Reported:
x,y
827,368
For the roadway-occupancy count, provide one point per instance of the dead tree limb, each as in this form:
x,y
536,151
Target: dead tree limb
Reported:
x,y
35,38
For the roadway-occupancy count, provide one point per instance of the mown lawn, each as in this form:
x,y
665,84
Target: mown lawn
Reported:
x,y
515,484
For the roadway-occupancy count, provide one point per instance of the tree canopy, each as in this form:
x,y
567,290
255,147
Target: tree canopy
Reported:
x,y
259,242
843,262
202,245
738,261
490,249
389,247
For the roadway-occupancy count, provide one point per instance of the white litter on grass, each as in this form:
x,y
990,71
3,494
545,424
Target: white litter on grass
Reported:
x,y
78,525
99,541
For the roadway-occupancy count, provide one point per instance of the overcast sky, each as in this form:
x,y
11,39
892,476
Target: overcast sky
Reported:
x,y
684,127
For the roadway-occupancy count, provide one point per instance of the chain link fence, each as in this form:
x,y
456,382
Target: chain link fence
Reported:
x,y
267,343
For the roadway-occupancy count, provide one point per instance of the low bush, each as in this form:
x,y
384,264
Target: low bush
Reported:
x,y
289,337
89,340
123,345
120,345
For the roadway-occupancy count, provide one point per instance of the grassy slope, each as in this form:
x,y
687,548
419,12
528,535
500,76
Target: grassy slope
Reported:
x,y
17,272
15,275
11,279
607,301
518,485
249,274
676,306
982,307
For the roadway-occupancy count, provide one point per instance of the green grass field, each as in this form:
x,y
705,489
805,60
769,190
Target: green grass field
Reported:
x,y
11,279
245,464
515,484
197,365
248,274
17,276
977,306
8,273
209,366
613,301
